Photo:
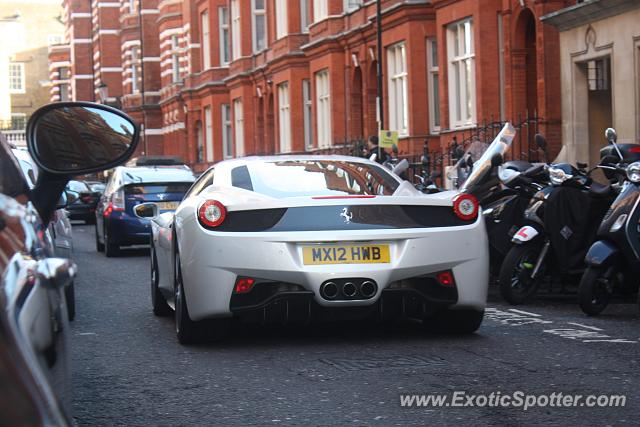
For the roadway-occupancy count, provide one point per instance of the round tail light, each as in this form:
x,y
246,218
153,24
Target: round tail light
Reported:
x,y
211,213
465,206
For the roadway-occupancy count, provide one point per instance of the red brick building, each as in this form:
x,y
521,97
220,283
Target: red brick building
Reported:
x,y
139,52
226,78
70,63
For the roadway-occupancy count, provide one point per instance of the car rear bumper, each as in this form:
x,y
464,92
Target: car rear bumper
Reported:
x,y
280,304
81,211
126,230
211,263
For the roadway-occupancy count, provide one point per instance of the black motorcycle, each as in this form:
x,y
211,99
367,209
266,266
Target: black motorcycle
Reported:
x,y
504,192
613,261
560,226
427,177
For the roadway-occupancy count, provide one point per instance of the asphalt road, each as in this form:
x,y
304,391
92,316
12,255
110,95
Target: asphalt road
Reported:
x,y
128,368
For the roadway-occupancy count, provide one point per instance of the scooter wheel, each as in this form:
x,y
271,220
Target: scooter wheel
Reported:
x,y
594,293
516,284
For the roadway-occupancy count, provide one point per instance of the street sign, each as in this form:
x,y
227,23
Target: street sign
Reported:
x,y
387,138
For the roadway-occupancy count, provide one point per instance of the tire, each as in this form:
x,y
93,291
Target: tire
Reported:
x,y
515,287
158,301
70,296
187,330
110,249
99,246
449,321
594,293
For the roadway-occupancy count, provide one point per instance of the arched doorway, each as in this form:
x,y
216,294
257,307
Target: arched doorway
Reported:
x,y
270,131
526,66
356,116
371,125
260,136
199,143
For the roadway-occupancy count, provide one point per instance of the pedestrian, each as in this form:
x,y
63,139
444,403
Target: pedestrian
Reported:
x,y
373,148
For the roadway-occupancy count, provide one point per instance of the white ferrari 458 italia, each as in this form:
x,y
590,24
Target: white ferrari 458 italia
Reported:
x,y
295,238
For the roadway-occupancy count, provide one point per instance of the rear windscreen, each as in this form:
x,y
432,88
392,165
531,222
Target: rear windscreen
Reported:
x,y
174,187
291,178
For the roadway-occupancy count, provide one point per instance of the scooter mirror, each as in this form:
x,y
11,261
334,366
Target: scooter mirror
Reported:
x,y
496,160
611,135
469,161
609,160
541,142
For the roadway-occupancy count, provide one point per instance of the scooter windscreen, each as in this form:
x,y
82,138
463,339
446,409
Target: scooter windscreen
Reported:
x,y
500,145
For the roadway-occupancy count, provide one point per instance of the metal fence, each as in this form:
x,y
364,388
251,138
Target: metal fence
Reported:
x,y
522,148
14,130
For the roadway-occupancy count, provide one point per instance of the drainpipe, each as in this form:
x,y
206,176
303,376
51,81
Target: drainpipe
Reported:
x,y
379,71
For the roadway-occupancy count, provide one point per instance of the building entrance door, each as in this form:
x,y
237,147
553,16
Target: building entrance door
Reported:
x,y
598,72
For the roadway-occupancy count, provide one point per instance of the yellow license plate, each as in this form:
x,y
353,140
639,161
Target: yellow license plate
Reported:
x,y
345,254
167,206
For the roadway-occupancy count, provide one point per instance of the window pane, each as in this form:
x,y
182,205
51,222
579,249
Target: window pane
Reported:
x,y
468,47
306,96
434,53
436,97
291,178
208,133
206,51
457,101
304,15
468,86
456,41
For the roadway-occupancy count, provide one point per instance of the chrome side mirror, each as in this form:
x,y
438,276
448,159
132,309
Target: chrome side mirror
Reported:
x,y
146,210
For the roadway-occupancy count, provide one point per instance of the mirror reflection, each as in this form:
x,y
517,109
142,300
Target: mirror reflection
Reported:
x,y
74,138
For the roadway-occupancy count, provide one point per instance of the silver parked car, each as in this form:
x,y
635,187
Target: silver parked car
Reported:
x,y
65,139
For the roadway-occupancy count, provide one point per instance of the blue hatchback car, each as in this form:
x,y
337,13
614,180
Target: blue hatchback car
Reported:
x,y
116,224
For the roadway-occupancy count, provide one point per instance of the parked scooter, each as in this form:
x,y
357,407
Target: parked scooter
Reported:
x,y
561,221
613,261
504,192
427,178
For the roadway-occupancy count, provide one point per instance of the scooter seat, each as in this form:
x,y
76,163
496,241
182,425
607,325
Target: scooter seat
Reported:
x,y
600,189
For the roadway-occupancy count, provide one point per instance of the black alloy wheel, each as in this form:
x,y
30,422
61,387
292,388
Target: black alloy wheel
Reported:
x,y
158,301
595,290
110,249
99,245
516,284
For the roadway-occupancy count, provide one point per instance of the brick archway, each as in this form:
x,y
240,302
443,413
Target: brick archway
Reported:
x,y
270,128
260,134
371,125
525,66
356,116
200,154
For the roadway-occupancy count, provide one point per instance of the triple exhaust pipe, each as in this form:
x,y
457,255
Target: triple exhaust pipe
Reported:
x,y
348,289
